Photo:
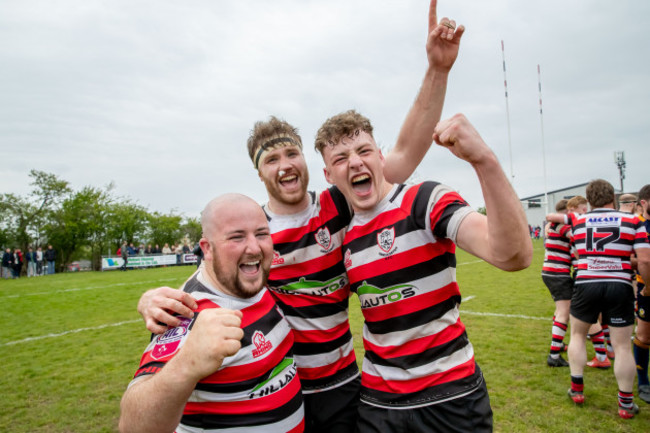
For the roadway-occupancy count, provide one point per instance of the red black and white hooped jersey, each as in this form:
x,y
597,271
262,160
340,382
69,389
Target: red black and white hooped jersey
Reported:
x,y
401,262
255,390
309,283
557,254
605,239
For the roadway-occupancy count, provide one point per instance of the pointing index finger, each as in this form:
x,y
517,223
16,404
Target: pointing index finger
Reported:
x,y
433,18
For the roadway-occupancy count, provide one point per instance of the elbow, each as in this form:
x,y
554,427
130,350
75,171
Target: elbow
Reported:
x,y
519,258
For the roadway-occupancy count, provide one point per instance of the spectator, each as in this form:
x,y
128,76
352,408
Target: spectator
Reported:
x,y
31,262
50,258
39,261
124,253
141,250
166,249
7,264
179,253
149,250
132,251
198,252
156,249
18,262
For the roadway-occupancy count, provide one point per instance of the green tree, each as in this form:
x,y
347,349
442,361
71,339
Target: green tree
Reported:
x,y
164,228
127,221
192,229
82,221
23,216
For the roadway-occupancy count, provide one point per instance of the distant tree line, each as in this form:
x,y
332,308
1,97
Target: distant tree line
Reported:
x,y
85,223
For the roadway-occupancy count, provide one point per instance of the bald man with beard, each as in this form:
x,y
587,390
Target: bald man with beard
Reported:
x,y
229,365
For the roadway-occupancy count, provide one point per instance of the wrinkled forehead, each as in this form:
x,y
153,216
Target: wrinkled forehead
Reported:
x,y
274,143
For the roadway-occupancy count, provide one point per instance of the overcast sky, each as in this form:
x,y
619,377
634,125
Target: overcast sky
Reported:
x,y
159,96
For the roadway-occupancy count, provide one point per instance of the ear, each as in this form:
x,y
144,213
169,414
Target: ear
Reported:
x,y
205,247
259,174
328,178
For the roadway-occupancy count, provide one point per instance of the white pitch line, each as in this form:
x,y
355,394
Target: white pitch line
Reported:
x,y
511,316
77,289
73,331
469,263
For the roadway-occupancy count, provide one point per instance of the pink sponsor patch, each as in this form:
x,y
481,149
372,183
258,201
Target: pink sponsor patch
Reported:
x,y
168,343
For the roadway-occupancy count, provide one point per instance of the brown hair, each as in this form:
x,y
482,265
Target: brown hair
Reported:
x,y
576,201
342,125
561,205
263,132
600,193
644,193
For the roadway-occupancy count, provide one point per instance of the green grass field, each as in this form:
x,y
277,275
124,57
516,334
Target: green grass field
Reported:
x,y
71,342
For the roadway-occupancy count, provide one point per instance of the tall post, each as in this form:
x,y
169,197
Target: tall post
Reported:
x,y
505,85
541,119
619,159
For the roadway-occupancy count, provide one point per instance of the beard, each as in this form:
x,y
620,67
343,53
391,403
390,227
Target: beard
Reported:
x,y
233,283
275,190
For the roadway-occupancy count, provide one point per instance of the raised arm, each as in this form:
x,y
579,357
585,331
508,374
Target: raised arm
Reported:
x,y
155,403
560,218
502,238
414,140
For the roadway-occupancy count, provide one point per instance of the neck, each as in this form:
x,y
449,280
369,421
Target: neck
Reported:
x,y
282,208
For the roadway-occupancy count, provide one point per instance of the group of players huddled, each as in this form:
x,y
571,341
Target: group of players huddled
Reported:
x,y
595,265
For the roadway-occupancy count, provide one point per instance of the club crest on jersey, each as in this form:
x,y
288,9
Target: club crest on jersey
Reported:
x,y
324,239
262,345
277,260
347,259
168,343
386,240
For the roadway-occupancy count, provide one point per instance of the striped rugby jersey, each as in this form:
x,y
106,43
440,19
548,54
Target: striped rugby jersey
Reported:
x,y
257,389
401,262
309,283
605,239
557,254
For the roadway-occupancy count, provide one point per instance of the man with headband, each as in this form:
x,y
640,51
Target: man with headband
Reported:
x,y
308,276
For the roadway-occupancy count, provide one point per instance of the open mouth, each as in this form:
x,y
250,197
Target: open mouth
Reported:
x,y
288,180
361,183
250,267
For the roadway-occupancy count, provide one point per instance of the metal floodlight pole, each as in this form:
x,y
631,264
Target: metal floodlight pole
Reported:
x,y
505,85
541,119
619,159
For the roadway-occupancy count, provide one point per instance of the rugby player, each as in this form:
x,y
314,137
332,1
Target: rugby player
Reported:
x,y
556,274
419,372
230,367
642,337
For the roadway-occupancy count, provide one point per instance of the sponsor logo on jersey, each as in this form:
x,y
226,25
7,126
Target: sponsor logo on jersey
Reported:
x,y
604,264
373,296
324,239
168,343
602,221
347,259
262,345
314,287
277,260
280,377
